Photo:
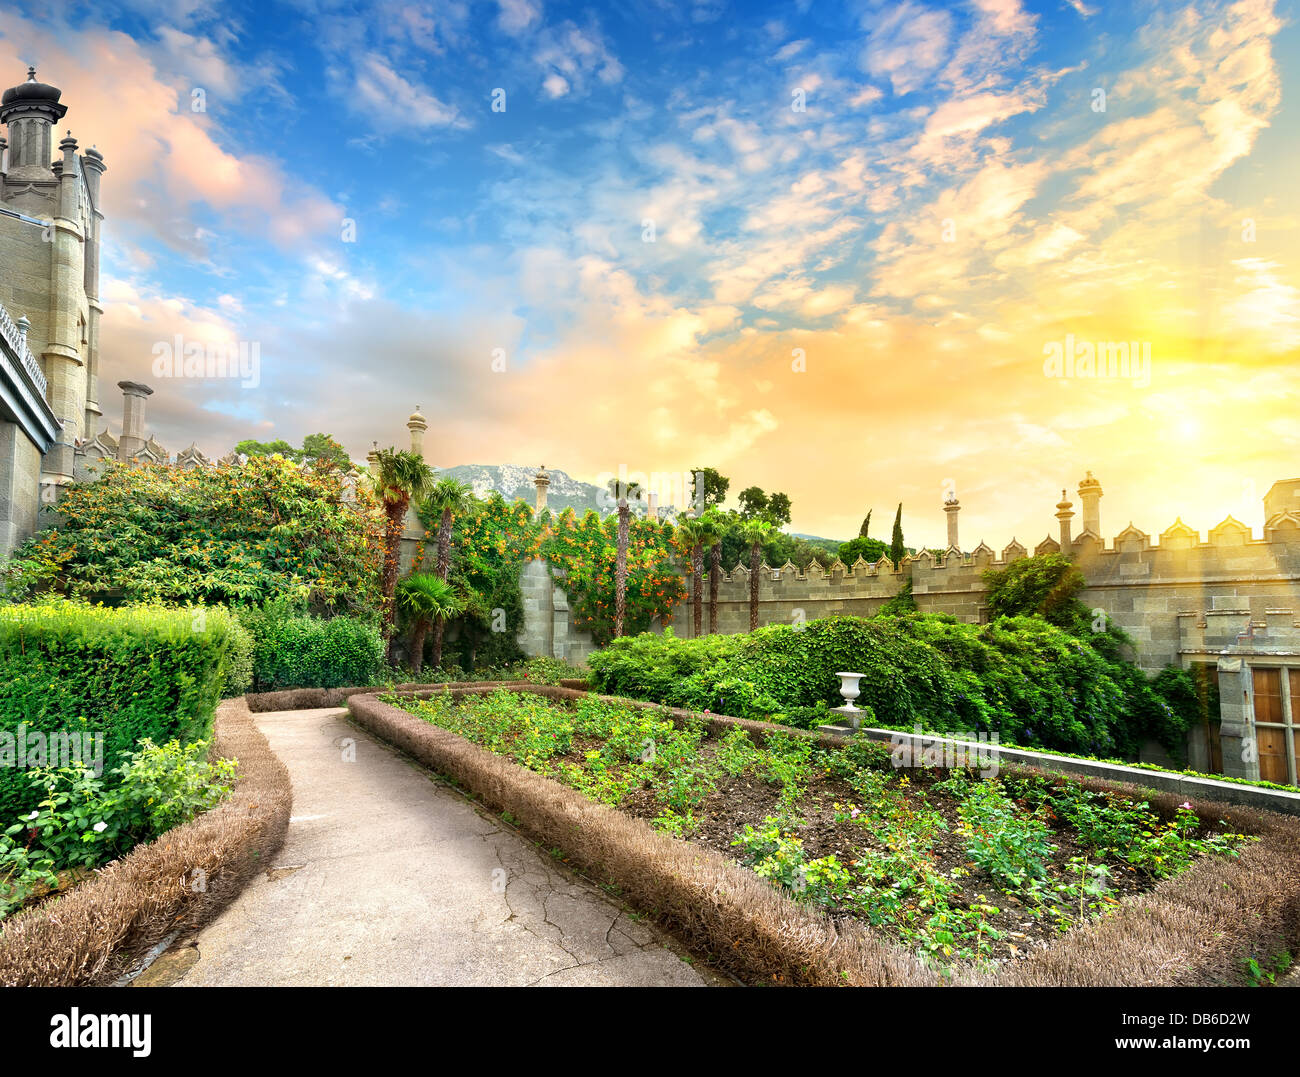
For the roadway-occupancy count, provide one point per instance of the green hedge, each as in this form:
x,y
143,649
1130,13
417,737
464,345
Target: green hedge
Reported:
x,y
298,650
1029,681
128,673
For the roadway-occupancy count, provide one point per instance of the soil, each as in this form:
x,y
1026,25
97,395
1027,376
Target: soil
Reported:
x,y
750,799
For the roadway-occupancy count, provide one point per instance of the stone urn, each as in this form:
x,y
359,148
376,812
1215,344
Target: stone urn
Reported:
x,y
849,690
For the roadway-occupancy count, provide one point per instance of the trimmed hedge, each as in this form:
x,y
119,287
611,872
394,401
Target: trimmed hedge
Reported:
x,y
128,673
1031,682
299,650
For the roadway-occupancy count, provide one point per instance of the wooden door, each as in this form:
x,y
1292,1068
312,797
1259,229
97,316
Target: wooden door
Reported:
x,y
1271,741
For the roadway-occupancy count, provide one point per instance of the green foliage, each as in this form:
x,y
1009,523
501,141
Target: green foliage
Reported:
x,y
1047,585
897,550
128,674
80,820
239,669
318,450
710,487
230,535
869,549
1031,682
901,603
295,649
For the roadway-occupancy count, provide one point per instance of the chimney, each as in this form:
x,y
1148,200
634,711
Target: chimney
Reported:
x,y
417,425
133,398
542,481
1064,513
1090,495
951,507
652,506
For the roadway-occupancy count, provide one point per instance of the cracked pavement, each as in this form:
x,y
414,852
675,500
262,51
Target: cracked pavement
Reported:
x,y
388,877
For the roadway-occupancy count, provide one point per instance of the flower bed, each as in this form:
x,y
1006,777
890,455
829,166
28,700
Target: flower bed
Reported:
x,y
94,932
982,881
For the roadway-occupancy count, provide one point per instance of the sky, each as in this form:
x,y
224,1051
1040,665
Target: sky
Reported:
x,y
859,252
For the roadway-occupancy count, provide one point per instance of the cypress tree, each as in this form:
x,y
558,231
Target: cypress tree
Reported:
x,y
896,548
866,526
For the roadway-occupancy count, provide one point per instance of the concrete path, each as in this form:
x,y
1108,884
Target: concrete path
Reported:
x,y
388,877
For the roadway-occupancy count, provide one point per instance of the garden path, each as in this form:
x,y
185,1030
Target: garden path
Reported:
x,y
389,877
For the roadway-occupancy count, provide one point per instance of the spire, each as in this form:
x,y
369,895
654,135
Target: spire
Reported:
x,y
1064,513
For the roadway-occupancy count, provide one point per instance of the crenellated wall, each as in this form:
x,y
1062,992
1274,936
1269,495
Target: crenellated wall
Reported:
x,y
1143,586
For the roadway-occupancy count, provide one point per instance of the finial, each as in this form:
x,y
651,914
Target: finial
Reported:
x,y
31,74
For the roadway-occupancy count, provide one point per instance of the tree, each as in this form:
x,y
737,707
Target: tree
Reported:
x,y
446,499
869,549
621,492
1046,585
711,526
753,503
249,447
319,451
690,533
425,600
710,488
322,452
865,529
897,551
399,478
240,534
755,533
778,509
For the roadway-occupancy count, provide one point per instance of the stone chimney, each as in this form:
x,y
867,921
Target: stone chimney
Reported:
x,y
133,398
1065,513
417,425
951,507
652,506
1090,495
542,481
372,457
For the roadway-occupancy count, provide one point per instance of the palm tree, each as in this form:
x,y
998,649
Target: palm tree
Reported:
x,y
713,528
621,492
424,600
691,534
399,477
754,533
447,498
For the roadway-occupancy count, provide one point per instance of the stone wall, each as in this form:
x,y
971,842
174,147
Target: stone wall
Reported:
x,y
1142,587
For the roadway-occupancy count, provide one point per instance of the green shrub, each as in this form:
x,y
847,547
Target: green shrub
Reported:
x,y
82,820
294,649
1032,683
239,672
129,674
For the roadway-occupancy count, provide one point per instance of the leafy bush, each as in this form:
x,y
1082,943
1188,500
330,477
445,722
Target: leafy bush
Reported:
x,y
229,534
1029,681
1046,584
129,674
239,673
81,821
295,649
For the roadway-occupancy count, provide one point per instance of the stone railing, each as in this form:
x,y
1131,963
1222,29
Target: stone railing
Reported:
x,y
16,337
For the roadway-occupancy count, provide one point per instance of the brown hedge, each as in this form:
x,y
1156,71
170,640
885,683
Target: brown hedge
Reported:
x,y
95,932
1196,928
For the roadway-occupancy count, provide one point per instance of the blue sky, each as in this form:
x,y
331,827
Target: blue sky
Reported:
x,y
949,200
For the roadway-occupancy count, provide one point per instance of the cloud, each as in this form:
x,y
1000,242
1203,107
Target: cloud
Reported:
x,y
392,101
905,44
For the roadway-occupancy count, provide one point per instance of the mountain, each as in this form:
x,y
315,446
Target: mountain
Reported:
x,y
515,482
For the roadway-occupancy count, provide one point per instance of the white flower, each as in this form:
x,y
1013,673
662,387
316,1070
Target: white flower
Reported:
x,y
33,816
100,827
